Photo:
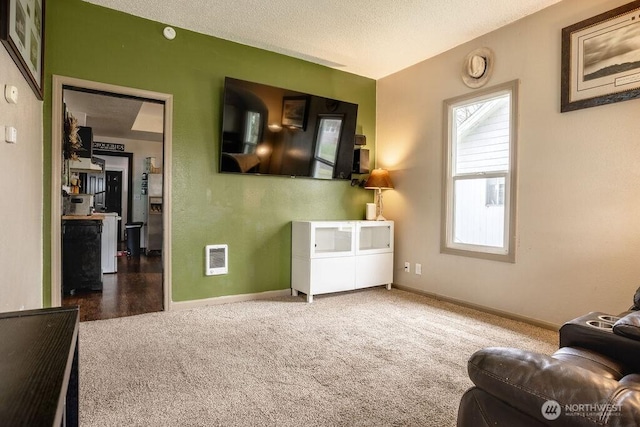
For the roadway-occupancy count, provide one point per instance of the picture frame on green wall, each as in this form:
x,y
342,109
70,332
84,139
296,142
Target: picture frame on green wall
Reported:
x,y
601,59
22,34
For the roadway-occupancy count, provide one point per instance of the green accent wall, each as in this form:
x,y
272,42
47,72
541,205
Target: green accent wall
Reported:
x,y
251,214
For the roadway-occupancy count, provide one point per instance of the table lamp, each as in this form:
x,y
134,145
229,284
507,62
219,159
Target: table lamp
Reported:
x,y
379,180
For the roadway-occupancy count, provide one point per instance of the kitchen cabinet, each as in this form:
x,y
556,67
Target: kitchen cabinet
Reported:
x,y
85,162
81,253
86,138
334,256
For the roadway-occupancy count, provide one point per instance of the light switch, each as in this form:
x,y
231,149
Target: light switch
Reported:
x,y
11,94
10,134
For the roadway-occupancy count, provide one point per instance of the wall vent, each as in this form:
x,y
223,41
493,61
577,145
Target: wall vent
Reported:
x,y
216,260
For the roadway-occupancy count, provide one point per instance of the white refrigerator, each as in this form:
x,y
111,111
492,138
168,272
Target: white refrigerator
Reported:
x,y
110,242
153,232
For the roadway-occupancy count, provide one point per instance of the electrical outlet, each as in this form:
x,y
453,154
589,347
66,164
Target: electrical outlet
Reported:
x,y
418,268
407,267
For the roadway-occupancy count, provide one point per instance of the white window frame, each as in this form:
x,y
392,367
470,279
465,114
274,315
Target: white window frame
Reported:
x,y
506,253
319,161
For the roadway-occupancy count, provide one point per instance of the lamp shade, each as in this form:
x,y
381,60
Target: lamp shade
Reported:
x,y
379,178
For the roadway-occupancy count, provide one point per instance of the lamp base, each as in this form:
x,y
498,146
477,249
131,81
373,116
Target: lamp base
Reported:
x,y
381,218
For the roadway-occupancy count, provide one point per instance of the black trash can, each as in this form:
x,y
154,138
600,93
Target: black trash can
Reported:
x,y
133,238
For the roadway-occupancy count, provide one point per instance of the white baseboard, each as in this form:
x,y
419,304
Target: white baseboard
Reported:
x,y
505,314
227,299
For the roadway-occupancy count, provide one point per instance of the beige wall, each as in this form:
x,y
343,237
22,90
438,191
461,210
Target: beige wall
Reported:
x,y
20,194
578,232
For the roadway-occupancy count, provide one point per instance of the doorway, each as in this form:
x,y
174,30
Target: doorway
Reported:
x,y
119,162
114,184
113,195
113,191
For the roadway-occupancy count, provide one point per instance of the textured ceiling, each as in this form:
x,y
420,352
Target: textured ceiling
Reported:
x,y
371,38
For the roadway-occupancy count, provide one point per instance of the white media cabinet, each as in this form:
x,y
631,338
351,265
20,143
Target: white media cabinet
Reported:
x,y
335,256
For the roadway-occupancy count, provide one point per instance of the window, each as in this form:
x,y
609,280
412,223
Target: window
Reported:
x,y
251,132
327,140
479,208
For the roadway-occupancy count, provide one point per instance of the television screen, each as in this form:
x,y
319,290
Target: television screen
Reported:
x,y
268,130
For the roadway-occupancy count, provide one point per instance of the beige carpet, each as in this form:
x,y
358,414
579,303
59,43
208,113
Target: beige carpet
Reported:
x,y
367,358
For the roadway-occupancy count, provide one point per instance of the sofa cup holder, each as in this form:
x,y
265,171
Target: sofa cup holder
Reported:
x,y
600,324
608,318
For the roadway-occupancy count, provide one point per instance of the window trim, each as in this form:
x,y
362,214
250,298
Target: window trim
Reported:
x,y
510,196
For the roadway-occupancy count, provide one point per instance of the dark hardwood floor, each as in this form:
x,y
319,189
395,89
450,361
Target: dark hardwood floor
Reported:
x,y
135,289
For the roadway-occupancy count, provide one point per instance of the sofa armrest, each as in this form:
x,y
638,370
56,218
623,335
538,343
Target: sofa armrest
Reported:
x,y
577,333
628,326
527,380
480,409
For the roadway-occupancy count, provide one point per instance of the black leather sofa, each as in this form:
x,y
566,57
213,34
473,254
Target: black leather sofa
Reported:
x,y
592,380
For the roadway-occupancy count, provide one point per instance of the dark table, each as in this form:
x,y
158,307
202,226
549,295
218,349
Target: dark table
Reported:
x,y
39,367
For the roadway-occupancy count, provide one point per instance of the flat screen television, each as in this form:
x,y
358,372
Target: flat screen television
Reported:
x,y
268,130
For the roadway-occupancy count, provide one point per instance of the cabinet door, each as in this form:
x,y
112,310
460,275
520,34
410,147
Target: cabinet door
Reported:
x,y
332,239
374,237
332,275
374,270
81,255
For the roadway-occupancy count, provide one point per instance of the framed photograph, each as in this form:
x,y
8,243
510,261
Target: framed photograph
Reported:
x,y
22,33
601,59
294,111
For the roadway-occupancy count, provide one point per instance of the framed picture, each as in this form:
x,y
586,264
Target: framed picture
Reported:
x,y
601,59
294,111
22,33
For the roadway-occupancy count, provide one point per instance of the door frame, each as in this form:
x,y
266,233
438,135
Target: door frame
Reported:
x,y
59,82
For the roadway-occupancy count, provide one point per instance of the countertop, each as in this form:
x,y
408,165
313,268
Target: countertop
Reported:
x,y
94,217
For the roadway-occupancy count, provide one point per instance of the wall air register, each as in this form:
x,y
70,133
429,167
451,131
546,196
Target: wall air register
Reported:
x,y
216,260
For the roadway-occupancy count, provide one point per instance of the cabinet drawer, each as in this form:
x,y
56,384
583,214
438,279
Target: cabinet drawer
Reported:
x,y
332,274
374,270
